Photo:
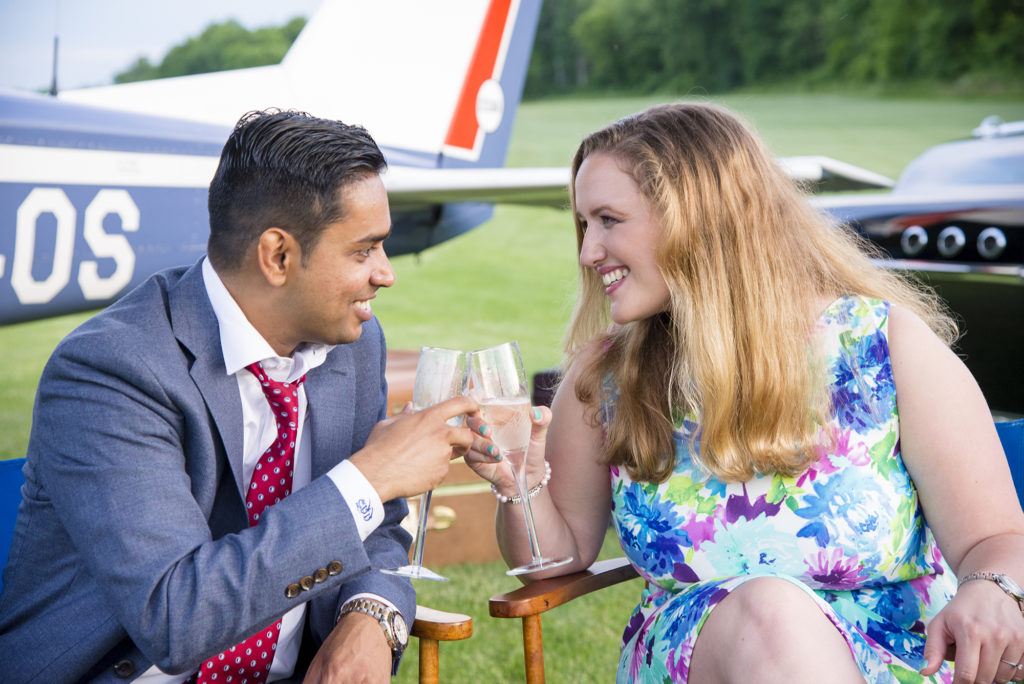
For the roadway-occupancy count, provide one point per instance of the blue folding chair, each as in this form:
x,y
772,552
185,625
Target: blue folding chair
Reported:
x,y
11,480
1011,434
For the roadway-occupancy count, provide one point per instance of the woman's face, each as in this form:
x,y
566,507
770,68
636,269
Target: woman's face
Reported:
x,y
621,239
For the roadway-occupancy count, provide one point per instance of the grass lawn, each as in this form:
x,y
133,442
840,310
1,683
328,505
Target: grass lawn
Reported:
x,y
514,278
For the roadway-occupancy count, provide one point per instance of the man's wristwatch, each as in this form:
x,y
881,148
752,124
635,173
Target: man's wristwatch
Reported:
x,y
1005,583
391,621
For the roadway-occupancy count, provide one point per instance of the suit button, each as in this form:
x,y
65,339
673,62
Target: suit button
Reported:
x,y
320,575
307,582
292,590
334,568
124,669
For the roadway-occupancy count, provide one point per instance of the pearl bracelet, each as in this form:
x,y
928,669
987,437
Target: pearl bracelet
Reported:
x,y
534,491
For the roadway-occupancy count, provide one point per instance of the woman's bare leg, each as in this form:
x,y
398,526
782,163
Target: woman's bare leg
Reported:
x,y
768,630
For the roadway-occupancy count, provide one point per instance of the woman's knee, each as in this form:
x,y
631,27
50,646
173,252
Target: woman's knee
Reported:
x,y
766,625
768,612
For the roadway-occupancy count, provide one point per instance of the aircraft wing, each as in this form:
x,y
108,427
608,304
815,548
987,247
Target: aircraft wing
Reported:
x,y
825,174
409,187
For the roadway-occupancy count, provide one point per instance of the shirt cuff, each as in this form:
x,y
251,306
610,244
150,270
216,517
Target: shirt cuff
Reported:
x,y
362,499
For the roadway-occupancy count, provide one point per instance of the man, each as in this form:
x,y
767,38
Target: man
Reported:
x,y
209,454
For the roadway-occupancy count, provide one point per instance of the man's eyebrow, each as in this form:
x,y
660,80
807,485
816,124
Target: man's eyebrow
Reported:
x,y
371,239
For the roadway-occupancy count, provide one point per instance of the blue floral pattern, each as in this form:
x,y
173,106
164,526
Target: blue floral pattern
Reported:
x,y
848,531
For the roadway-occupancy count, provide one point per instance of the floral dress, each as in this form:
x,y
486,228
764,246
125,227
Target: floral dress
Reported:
x,y
849,530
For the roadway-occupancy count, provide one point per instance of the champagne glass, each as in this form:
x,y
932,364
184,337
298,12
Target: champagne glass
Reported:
x,y
440,375
499,385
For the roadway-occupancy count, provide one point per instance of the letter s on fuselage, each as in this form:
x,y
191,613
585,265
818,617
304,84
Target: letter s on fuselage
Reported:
x,y
94,287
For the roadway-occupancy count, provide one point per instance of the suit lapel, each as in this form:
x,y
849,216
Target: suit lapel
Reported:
x,y
329,387
195,325
329,391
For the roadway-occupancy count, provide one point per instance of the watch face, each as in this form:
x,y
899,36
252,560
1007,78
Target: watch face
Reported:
x,y
1010,587
401,631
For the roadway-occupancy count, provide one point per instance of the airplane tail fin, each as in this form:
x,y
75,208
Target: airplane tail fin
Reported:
x,y
441,92
436,83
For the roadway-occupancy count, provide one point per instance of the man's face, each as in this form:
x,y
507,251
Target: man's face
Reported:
x,y
329,298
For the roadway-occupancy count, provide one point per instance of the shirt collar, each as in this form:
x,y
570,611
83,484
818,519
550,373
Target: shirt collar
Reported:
x,y
241,344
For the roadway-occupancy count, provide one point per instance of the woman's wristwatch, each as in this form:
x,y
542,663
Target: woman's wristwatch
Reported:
x,y
391,621
1005,583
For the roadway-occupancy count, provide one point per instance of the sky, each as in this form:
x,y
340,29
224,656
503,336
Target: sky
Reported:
x,y
100,38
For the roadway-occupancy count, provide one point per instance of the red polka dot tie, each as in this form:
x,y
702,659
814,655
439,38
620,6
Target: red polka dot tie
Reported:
x,y
249,662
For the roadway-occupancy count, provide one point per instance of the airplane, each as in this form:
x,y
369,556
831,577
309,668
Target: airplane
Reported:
x,y
101,187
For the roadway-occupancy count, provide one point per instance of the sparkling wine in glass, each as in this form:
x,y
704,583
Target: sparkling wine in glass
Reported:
x,y
500,387
440,375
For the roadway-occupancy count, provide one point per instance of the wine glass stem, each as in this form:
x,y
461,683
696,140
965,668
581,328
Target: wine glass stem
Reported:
x,y
421,528
531,531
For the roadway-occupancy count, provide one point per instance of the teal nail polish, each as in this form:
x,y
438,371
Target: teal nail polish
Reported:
x,y
482,429
536,414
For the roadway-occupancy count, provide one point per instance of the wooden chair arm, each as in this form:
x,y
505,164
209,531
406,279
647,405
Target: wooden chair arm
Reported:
x,y
543,595
432,626
441,626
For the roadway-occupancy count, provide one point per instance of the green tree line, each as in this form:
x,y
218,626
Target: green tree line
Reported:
x,y
715,46
721,45
219,47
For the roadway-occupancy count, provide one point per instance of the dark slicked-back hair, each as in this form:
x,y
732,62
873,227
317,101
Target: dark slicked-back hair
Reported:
x,y
284,169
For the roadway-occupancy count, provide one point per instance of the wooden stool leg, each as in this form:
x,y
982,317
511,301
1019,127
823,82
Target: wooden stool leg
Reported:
x,y
428,661
533,649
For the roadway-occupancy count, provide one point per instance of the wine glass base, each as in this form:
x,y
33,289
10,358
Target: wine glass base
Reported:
x,y
415,572
538,564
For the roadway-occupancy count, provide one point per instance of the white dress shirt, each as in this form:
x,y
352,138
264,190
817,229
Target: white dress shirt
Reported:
x,y
242,345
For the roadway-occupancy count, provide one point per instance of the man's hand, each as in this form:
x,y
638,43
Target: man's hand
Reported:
x,y
408,454
355,651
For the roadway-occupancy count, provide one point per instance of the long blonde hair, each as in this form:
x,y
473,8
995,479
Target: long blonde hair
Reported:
x,y
748,262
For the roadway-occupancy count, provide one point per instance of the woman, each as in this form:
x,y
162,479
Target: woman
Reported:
x,y
796,458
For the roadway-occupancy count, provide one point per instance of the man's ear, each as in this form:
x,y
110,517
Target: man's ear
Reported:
x,y
277,254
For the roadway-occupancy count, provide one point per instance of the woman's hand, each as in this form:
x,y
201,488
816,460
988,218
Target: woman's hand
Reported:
x,y
985,627
486,459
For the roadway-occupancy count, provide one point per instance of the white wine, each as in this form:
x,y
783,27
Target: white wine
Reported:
x,y
509,420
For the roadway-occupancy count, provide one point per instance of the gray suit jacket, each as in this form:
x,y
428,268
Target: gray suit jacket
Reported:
x,y
131,545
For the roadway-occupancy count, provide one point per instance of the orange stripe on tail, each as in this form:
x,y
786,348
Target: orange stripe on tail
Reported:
x,y
464,127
